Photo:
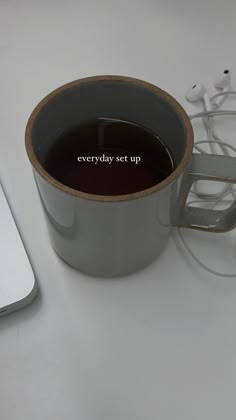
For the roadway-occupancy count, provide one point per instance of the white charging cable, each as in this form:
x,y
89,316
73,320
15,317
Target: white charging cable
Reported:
x,y
198,92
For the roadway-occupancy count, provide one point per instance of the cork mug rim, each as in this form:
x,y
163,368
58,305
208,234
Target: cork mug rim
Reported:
x,y
183,117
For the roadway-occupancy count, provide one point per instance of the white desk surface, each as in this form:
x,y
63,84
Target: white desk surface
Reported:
x,y
157,345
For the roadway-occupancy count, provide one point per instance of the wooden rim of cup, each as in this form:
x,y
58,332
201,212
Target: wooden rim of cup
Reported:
x,y
164,95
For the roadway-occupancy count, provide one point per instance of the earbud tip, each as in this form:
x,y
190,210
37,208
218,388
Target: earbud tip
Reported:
x,y
223,80
195,93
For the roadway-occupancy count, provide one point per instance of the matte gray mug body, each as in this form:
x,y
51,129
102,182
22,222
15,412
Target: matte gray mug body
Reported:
x,y
108,236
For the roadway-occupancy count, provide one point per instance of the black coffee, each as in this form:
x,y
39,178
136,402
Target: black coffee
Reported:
x,y
109,157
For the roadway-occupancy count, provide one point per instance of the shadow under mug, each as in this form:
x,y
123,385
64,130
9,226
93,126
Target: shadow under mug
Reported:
x,y
108,236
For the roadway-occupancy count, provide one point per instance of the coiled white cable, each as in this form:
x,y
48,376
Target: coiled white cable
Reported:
x,y
212,114
229,92
228,189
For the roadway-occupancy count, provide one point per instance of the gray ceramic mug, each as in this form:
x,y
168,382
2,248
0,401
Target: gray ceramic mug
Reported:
x,y
110,236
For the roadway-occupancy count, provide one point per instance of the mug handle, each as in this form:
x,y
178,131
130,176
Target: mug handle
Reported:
x,y
209,168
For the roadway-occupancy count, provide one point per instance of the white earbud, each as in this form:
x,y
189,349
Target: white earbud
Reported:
x,y
199,93
222,83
